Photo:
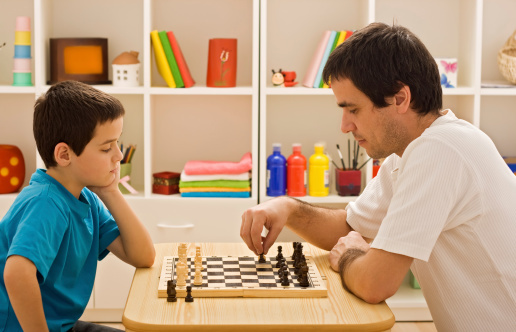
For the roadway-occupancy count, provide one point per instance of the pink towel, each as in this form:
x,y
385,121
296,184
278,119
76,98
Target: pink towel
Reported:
x,y
219,167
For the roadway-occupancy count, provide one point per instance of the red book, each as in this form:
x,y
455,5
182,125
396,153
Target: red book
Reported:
x,y
181,63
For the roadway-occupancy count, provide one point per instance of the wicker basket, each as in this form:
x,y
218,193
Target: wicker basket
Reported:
x,y
507,59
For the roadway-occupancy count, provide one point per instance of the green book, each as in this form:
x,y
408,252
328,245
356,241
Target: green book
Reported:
x,y
171,59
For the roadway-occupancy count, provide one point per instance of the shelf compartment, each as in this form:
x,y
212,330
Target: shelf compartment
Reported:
x,y
16,111
493,109
194,23
453,39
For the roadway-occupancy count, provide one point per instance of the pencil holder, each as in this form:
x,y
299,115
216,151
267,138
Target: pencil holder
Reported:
x,y
348,182
125,170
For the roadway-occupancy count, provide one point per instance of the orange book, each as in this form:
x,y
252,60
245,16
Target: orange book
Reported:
x,y
181,63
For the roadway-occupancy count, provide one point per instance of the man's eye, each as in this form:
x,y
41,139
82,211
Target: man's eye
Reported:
x,y
353,111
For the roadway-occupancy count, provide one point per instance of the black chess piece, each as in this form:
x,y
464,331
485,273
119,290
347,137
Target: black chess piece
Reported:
x,y
262,259
284,280
304,278
302,269
171,291
282,271
189,297
280,253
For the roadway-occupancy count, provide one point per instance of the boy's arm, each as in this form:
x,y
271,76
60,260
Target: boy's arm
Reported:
x,y
24,293
134,245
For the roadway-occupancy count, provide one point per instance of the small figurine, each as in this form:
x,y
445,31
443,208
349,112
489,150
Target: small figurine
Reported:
x,y
277,78
289,77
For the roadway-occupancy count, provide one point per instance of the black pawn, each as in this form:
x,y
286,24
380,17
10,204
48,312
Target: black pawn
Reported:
x,y
285,281
189,297
171,291
280,253
262,259
304,278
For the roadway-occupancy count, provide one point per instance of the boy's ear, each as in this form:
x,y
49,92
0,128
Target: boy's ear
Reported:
x,y
62,154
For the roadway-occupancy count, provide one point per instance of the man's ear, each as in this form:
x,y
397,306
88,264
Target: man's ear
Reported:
x,y
402,99
62,154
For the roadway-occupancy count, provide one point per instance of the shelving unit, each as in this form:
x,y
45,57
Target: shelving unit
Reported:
x,y
172,126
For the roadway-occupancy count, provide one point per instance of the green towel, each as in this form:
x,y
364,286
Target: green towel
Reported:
x,y
214,183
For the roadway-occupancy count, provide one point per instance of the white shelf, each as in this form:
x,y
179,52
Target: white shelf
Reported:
x,y
330,199
6,89
244,91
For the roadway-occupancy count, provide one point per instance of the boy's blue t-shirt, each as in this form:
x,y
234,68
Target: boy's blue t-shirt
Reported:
x,y
64,237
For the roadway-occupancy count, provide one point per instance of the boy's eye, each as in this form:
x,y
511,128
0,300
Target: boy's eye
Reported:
x,y
353,111
107,150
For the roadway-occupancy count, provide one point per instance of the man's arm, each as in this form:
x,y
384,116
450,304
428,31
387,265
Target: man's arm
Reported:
x,y
319,226
372,274
24,293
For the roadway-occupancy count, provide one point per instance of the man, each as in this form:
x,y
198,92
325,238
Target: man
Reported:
x,y
443,203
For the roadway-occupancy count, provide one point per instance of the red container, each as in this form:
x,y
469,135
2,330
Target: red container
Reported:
x,y
222,63
166,183
348,182
12,169
296,172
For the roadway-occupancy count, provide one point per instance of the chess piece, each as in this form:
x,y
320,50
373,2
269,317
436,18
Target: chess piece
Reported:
x,y
189,297
280,253
262,259
198,277
198,257
285,281
171,291
181,273
304,278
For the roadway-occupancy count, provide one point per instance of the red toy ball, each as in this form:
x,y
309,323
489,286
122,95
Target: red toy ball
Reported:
x,y
12,169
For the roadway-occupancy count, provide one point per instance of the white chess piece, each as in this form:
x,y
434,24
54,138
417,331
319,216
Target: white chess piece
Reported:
x,y
181,273
198,277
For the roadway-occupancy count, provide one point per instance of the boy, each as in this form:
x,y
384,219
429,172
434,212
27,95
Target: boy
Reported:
x,y
57,229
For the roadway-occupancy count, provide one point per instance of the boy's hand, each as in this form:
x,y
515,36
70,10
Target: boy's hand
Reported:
x,y
108,189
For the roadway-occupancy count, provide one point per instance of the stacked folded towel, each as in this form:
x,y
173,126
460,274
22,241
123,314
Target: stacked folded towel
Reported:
x,y
216,179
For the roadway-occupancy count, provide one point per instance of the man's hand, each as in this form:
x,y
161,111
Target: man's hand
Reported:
x,y
272,215
351,241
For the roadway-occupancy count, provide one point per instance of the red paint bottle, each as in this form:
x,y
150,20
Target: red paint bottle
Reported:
x,y
296,172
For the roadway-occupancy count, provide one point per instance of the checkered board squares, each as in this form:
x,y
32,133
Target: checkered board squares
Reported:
x,y
227,276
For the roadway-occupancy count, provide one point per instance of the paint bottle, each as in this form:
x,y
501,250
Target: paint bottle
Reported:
x,y
318,172
296,172
276,172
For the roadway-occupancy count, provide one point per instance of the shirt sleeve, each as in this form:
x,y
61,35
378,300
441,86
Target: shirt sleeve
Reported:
x,y
108,229
433,179
40,233
367,212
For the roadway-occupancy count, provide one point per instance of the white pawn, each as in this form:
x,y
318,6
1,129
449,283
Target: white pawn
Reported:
x,y
198,277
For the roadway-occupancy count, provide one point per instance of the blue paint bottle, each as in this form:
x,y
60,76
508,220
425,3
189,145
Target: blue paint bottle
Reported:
x,y
276,172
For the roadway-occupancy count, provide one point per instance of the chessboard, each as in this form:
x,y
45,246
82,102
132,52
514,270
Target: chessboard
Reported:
x,y
227,276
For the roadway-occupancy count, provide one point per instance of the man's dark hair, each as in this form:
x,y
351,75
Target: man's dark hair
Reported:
x,y
69,112
379,59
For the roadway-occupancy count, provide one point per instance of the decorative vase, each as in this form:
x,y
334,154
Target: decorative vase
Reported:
x,y
222,63
12,169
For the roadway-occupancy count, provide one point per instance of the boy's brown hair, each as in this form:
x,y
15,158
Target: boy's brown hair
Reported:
x,y
379,59
69,112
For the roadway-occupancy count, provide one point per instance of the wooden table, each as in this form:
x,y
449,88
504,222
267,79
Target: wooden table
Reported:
x,y
340,311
